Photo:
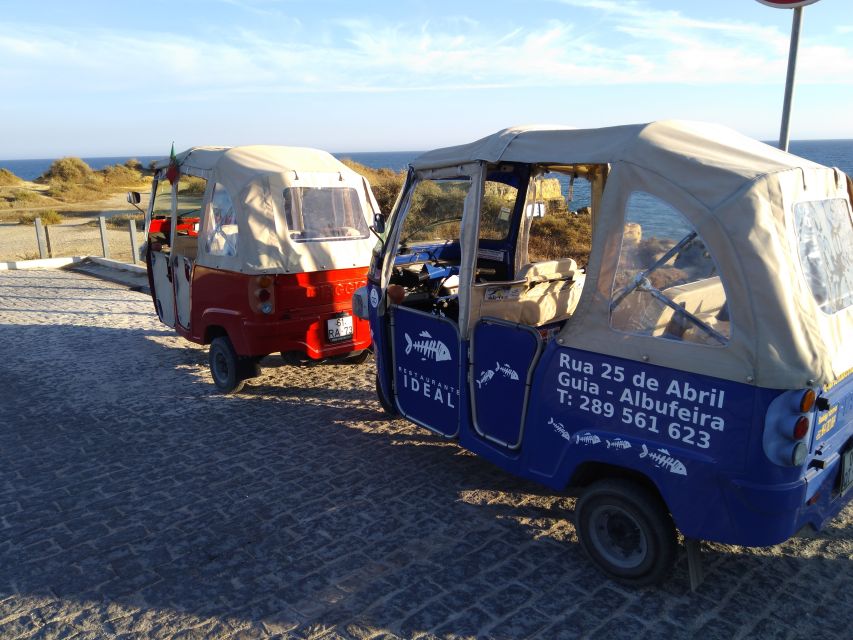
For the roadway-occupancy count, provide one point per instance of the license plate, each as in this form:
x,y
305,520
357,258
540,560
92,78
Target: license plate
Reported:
x,y
846,470
338,329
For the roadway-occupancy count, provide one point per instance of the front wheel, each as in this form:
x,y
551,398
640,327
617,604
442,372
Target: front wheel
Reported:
x,y
387,405
226,367
627,531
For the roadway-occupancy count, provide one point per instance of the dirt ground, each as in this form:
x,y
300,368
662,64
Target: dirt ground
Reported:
x,y
76,235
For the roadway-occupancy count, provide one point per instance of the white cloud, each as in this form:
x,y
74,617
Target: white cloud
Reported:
x,y
641,45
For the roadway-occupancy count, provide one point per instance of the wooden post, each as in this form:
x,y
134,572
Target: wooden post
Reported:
x,y
105,246
40,239
134,248
47,241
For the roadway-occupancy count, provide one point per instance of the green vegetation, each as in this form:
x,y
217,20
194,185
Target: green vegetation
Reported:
x,y
7,178
48,216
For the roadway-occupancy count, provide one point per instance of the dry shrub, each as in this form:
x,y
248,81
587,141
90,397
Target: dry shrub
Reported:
x,y
120,221
191,186
68,169
121,175
558,236
7,178
48,216
385,183
92,188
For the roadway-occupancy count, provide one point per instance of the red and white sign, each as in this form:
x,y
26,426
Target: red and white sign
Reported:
x,y
786,4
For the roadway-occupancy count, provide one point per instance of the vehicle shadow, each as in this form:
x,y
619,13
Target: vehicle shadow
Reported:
x,y
128,486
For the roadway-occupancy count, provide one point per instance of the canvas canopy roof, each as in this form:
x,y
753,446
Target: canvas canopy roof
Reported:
x,y
263,238
739,194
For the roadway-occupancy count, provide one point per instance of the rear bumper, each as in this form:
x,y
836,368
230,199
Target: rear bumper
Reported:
x,y
306,335
763,515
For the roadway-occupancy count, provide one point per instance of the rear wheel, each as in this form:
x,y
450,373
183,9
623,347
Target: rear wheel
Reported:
x,y
627,531
226,367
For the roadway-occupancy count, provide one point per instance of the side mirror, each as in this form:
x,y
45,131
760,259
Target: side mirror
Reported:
x,y
379,223
133,197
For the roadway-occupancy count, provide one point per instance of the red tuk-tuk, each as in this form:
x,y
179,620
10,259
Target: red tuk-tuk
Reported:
x,y
258,249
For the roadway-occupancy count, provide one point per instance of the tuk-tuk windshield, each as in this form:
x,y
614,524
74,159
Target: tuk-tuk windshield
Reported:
x,y
435,211
316,214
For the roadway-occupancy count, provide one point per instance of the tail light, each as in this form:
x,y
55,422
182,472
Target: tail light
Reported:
x,y
807,401
787,426
262,294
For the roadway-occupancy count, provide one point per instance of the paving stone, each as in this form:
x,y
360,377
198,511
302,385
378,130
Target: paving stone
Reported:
x,y
135,501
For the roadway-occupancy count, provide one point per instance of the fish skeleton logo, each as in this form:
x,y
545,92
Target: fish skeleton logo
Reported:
x,y
488,374
663,460
429,347
618,443
586,438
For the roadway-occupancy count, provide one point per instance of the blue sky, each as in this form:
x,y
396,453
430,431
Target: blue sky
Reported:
x,y
126,77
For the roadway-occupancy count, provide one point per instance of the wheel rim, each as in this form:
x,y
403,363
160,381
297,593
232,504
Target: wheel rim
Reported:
x,y
220,367
618,537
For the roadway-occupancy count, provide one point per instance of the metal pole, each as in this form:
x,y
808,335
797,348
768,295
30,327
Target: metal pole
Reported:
x,y
102,223
133,246
40,239
796,27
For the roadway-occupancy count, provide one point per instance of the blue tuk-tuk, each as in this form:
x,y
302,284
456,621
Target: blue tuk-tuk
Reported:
x,y
654,316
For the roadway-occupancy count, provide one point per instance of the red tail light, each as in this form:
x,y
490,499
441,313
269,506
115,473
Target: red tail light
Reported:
x,y
801,428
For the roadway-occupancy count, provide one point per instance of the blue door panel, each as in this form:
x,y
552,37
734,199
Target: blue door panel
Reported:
x,y
427,368
503,356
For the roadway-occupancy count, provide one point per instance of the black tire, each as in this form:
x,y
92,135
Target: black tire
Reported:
x,y
627,531
358,358
249,366
387,405
225,367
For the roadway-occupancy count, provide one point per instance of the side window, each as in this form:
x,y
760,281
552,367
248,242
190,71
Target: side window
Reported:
x,y
666,282
221,224
560,218
825,246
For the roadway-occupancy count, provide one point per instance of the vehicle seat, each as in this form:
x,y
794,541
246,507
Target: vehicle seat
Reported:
x,y
544,292
554,288
548,270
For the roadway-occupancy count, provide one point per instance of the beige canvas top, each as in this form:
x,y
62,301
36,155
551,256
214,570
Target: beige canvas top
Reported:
x,y
739,194
256,178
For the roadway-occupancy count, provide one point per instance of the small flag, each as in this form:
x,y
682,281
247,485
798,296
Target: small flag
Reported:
x,y
173,172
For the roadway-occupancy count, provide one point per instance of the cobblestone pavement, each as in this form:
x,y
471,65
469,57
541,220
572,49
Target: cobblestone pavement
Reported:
x,y
135,501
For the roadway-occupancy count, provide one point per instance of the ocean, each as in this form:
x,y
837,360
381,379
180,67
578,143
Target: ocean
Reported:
x,y
32,169
832,153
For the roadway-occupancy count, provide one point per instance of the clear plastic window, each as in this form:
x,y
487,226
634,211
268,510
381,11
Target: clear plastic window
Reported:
x,y
315,214
221,224
435,211
666,283
825,242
